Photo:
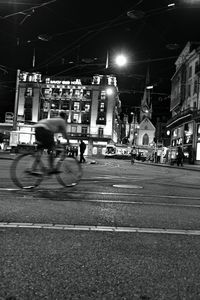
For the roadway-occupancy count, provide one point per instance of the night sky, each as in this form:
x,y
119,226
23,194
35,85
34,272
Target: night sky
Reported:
x,y
74,37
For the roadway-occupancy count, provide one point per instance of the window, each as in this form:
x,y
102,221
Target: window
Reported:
x,y
74,129
100,132
45,105
77,93
29,92
46,92
189,90
64,104
54,113
75,118
28,114
102,107
28,103
87,94
196,67
76,106
103,95
55,104
84,130
85,118
190,72
86,107
195,87
55,92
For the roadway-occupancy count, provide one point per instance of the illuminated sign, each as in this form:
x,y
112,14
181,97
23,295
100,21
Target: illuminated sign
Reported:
x,y
51,81
29,77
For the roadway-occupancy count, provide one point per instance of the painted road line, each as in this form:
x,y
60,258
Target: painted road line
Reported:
x,y
138,195
127,186
101,228
106,193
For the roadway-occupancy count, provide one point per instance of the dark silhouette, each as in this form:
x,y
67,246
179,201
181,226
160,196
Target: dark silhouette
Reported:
x,y
180,156
82,150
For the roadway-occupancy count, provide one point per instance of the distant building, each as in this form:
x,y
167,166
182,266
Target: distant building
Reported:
x,y
91,105
184,125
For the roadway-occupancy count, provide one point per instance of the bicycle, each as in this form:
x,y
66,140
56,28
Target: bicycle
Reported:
x,y
29,169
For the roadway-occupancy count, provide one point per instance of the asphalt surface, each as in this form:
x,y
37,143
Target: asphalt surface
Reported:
x,y
125,232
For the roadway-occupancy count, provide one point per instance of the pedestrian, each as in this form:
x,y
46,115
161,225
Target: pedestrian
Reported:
x,y
133,155
179,156
82,150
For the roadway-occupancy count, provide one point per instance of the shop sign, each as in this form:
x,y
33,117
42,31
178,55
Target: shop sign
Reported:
x,y
9,117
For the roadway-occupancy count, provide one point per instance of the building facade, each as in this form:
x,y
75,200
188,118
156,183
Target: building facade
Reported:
x,y
184,126
91,106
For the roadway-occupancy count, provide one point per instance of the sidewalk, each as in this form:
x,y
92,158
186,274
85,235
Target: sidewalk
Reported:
x,y
167,165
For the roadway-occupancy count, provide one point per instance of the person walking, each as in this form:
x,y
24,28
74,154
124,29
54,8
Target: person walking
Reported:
x,y
180,156
82,150
133,155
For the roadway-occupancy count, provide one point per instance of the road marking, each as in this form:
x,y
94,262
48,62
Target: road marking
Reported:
x,y
127,186
100,228
138,195
104,193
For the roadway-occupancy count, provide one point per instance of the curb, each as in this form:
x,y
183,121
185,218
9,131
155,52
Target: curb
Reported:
x,y
172,167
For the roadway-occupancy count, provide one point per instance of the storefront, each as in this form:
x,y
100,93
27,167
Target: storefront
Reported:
x,y
183,136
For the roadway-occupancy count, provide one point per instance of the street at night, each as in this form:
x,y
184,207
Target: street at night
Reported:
x,y
125,232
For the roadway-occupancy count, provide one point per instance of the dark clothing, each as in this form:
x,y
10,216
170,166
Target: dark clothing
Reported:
x,y
82,150
180,157
45,137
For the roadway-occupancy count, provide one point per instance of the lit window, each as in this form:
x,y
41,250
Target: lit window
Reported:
x,y
29,92
103,95
75,118
76,106
74,129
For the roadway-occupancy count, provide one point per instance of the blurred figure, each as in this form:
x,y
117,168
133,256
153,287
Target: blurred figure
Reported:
x,y
82,150
180,156
133,154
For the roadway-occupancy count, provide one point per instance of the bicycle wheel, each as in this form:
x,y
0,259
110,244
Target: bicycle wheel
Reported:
x,y
22,173
70,172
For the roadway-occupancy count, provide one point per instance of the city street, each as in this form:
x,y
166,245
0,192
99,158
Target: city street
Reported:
x,y
125,232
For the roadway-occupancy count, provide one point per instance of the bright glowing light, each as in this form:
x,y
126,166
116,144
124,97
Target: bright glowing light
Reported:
x,y
121,60
109,91
149,87
171,5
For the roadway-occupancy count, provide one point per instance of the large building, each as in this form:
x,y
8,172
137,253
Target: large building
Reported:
x,y
184,125
91,105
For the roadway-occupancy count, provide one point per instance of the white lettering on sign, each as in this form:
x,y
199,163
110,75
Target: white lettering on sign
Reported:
x,y
49,81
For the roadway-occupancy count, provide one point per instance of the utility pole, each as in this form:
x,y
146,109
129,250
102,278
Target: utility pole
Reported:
x,y
16,101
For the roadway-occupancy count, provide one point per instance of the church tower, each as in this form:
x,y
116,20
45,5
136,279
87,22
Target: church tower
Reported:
x,y
146,105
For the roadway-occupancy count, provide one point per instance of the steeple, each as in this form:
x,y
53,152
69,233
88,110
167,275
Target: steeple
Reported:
x,y
146,105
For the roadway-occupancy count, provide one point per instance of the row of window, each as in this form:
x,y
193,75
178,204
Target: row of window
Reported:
x,y
64,93
84,130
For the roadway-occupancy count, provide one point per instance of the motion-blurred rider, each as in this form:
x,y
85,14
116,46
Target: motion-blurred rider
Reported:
x,y
44,135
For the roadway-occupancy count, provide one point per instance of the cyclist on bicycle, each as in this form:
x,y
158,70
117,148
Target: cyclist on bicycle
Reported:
x,y
44,135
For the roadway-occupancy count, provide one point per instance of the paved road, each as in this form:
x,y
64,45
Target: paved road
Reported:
x,y
125,232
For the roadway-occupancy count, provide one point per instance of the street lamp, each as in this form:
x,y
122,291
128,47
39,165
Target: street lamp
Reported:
x,y
120,60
